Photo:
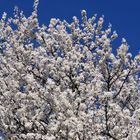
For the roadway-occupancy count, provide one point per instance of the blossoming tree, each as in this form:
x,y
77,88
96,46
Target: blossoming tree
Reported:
x,y
63,82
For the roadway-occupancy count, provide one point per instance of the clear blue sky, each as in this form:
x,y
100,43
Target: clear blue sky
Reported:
x,y
123,14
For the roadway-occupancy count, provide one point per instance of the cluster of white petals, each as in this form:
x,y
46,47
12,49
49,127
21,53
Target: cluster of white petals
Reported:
x,y
63,82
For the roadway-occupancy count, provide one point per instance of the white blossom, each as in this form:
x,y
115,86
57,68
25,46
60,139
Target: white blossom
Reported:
x,y
63,81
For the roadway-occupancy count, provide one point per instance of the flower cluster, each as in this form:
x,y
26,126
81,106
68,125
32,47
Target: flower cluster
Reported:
x,y
63,82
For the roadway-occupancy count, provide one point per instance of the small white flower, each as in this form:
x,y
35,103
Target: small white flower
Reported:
x,y
107,94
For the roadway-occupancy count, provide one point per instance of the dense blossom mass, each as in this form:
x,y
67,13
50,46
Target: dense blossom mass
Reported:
x,y
62,81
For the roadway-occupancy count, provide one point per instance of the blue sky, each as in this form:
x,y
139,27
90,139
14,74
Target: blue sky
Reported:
x,y
123,14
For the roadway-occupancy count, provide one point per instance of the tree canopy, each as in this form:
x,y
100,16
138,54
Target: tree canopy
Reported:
x,y
63,81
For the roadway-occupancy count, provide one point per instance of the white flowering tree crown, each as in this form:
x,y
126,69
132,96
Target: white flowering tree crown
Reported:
x,y
63,82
